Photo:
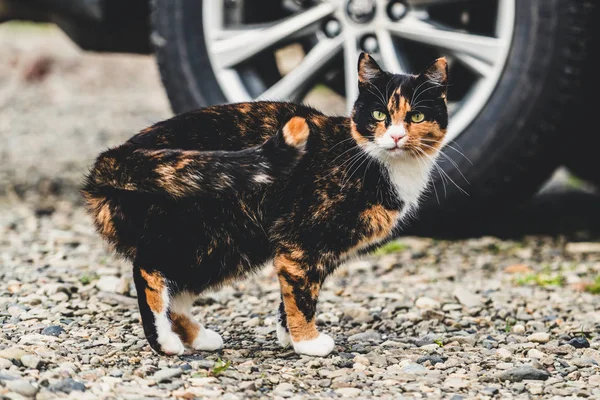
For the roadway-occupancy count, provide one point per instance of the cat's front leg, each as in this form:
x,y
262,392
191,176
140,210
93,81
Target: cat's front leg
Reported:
x,y
299,290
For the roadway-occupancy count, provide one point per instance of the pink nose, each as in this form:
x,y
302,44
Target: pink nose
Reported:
x,y
397,136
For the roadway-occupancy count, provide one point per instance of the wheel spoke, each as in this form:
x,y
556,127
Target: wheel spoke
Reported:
x,y
290,86
479,67
483,48
233,49
392,61
351,70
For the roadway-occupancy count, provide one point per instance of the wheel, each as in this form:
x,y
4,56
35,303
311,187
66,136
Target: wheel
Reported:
x,y
514,66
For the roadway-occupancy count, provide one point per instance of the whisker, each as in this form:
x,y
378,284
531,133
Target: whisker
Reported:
x,y
451,161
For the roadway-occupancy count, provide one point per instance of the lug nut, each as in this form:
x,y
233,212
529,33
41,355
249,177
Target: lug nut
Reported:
x,y
332,28
396,10
370,45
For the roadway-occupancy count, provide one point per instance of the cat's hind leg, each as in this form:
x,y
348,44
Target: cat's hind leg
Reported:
x,y
192,333
154,299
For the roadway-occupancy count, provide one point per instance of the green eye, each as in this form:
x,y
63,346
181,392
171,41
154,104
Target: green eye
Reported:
x,y
378,115
417,117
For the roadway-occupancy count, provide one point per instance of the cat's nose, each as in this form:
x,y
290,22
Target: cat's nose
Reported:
x,y
397,136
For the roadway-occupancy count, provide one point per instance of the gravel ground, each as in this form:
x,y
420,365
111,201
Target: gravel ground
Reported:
x,y
480,318
477,318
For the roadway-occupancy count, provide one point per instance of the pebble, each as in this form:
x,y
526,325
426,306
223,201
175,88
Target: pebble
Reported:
x,y
519,374
579,342
108,283
504,354
539,337
427,303
348,391
67,386
31,361
284,389
518,329
367,336
167,374
12,353
5,364
467,298
53,330
534,353
22,387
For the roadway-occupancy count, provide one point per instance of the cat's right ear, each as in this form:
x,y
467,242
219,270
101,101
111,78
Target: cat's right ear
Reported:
x,y
368,69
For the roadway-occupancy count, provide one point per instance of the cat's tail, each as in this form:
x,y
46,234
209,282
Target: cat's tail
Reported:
x,y
184,173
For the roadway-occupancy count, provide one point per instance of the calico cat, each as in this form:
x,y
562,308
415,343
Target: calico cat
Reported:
x,y
211,195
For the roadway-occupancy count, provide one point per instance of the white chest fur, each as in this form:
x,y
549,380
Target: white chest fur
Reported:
x,y
410,176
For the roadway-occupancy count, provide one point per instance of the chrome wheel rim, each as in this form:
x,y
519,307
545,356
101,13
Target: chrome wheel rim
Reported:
x,y
395,32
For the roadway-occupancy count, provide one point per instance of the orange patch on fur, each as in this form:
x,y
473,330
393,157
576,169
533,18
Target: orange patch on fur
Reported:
x,y
428,136
379,224
360,139
146,130
295,131
319,120
398,111
185,327
100,209
154,291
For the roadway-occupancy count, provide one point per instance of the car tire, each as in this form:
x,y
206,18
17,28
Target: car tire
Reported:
x,y
507,151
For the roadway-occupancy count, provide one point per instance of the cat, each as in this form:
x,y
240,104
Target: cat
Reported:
x,y
211,195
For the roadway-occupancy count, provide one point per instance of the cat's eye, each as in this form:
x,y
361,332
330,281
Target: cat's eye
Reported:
x,y
378,115
417,117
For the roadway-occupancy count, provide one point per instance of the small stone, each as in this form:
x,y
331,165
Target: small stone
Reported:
x,y
361,360
518,329
594,380
427,303
284,389
117,373
253,322
22,387
12,353
67,386
427,339
490,391
519,374
583,362
579,342
53,330
348,391
166,374
582,247
432,359
358,314
539,337
518,269
5,364
535,353
108,283
367,336
31,361
467,298
456,383
413,368
504,354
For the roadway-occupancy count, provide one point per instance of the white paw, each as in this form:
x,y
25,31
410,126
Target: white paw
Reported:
x,y
283,336
171,344
319,346
208,340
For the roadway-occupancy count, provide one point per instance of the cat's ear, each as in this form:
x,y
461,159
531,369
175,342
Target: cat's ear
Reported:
x,y
437,74
368,69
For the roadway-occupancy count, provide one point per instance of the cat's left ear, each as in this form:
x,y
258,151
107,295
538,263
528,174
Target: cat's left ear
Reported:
x,y
437,74
368,69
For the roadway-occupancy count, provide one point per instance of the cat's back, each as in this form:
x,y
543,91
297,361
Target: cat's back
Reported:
x,y
228,127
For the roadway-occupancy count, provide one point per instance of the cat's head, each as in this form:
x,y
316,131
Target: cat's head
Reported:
x,y
400,116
